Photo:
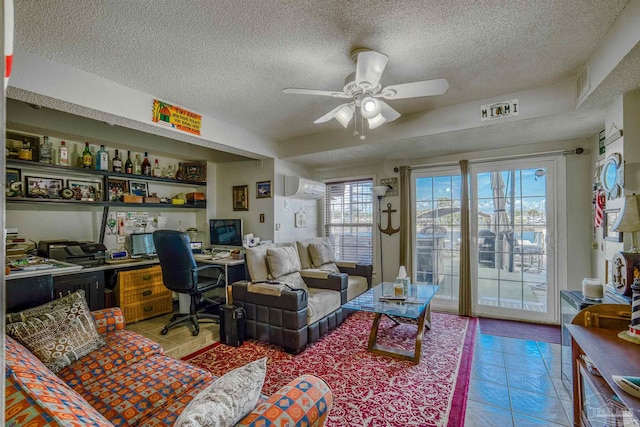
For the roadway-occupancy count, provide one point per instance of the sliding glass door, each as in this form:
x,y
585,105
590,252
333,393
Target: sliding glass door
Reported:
x,y
512,260
511,239
437,233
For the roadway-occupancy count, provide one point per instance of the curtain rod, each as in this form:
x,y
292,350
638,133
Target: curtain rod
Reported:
x,y
578,150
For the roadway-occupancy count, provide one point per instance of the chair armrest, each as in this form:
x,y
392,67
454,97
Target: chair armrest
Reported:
x,y
289,300
334,282
201,267
306,391
365,270
108,320
314,273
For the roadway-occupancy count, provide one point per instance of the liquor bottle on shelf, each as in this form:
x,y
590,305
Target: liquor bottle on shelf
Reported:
x,y
128,165
64,154
87,158
137,166
146,165
25,152
116,163
45,151
157,172
102,160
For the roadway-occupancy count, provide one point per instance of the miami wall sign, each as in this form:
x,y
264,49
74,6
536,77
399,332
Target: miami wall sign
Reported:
x,y
176,117
499,110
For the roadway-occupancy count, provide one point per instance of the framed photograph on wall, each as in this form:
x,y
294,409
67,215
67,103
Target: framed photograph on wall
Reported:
x,y
263,190
14,184
240,197
138,188
610,217
117,187
193,171
85,190
44,188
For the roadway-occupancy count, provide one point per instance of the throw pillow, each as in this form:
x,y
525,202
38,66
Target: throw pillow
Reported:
x,y
256,259
59,332
322,256
284,266
229,399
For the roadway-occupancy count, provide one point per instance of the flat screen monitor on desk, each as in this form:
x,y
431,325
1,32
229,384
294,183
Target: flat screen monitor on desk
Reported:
x,y
225,232
142,245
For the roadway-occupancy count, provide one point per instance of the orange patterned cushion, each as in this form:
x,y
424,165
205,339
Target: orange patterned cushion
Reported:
x,y
305,401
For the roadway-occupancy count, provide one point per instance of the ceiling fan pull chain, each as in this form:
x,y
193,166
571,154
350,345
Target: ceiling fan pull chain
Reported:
x,y
355,122
362,137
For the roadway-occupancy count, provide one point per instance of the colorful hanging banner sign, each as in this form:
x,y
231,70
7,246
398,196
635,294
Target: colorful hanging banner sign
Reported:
x,y
176,117
499,110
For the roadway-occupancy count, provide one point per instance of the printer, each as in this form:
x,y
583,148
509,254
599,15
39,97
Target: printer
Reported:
x,y
86,254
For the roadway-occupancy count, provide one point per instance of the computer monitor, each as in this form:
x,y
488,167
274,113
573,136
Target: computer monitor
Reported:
x,y
225,232
142,245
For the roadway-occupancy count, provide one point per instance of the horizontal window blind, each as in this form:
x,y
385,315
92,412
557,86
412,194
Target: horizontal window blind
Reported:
x,y
349,219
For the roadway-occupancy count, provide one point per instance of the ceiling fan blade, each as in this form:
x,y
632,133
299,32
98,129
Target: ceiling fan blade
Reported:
x,y
415,89
341,113
387,112
297,91
369,68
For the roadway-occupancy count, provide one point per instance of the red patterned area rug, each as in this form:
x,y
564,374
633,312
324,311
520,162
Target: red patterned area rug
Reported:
x,y
370,389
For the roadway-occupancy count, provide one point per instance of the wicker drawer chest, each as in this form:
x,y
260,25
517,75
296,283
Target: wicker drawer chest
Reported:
x,y
141,294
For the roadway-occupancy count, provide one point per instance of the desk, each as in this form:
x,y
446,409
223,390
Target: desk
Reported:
x,y
233,270
612,356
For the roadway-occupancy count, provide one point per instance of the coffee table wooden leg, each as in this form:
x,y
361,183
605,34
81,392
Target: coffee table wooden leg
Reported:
x,y
421,325
427,316
374,331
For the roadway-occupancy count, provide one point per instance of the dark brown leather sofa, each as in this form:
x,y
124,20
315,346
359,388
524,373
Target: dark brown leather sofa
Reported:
x,y
293,316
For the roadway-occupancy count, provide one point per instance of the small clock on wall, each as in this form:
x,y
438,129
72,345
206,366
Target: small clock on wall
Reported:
x,y
391,184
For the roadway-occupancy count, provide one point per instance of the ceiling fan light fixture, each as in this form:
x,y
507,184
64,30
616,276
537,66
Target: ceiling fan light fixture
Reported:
x,y
376,121
344,115
370,107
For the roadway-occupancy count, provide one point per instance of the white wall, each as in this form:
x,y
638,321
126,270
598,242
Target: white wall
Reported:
x,y
246,173
286,207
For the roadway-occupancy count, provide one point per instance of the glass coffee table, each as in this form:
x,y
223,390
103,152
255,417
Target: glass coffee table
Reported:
x,y
416,306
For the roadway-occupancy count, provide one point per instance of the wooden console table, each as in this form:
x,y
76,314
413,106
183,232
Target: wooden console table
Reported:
x,y
611,356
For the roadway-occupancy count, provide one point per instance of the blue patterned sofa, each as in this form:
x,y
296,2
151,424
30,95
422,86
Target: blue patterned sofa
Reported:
x,y
129,381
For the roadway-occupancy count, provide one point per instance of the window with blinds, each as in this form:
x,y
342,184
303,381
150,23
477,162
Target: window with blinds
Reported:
x,y
349,207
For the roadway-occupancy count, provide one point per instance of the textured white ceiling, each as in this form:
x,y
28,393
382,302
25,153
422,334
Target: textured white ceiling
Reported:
x,y
230,59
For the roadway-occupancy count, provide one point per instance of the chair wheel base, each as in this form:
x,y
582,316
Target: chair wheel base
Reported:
x,y
164,331
195,333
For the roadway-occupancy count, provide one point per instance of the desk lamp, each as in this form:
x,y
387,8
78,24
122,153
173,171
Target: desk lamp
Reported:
x,y
629,222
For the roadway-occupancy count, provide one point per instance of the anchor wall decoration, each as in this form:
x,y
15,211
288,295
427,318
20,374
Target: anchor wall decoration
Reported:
x,y
389,230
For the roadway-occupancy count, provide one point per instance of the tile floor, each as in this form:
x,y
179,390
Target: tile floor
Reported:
x,y
517,383
513,382
178,342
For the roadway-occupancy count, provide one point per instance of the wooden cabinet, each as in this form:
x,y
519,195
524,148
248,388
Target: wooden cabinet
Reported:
x,y
141,294
92,283
597,399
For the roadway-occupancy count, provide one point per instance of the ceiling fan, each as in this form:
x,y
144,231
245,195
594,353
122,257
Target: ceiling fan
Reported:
x,y
364,90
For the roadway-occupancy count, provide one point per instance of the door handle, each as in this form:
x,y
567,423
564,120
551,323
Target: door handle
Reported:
x,y
146,293
146,277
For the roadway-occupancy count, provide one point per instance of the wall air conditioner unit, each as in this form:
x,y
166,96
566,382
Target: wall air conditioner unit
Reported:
x,y
303,188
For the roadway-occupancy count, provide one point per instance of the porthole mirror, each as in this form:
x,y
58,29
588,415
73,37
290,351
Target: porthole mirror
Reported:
x,y
612,178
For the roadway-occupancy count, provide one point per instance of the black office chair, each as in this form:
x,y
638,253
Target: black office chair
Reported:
x,y
181,274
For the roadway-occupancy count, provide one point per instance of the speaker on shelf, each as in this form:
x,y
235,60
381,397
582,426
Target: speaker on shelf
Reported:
x,y
232,325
